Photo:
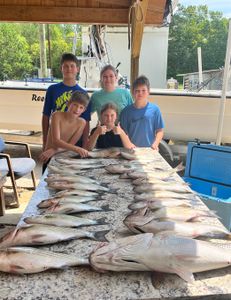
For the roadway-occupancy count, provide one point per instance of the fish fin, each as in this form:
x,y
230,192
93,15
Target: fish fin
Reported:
x,y
185,274
101,221
35,237
100,235
16,269
106,208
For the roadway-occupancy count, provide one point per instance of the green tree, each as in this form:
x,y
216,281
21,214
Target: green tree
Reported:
x,y
15,60
194,27
20,49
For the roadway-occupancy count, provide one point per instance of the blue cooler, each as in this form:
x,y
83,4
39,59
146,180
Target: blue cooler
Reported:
x,y
208,170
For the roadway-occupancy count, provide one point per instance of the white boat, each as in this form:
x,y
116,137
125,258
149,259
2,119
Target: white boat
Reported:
x,y
187,115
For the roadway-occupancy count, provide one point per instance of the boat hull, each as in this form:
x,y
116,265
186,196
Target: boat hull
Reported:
x,y
187,116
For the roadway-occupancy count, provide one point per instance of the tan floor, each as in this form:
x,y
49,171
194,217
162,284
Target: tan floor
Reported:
x,y
12,215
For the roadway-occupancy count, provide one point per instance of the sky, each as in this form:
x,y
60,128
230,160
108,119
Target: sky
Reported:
x,y
223,6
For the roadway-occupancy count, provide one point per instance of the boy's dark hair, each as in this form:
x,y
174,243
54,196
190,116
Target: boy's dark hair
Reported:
x,y
109,105
69,57
80,97
141,80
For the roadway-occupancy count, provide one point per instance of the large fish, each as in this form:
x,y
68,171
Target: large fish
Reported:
x,y
76,166
178,213
169,254
142,224
163,202
60,200
62,185
149,187
71,208
82,193
74,178
63,220
159,174
105,153
118,169
39,234
25,260
140,181
62,170
164,194
79,161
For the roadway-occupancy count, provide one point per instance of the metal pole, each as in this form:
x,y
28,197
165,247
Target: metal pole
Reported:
x,y
224,87
199,65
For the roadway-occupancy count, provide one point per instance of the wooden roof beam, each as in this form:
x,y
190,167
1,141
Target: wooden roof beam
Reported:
x,y
138,16
58,14
80,15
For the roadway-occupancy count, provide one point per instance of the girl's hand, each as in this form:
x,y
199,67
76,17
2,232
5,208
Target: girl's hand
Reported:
x,y
82,152
46,155
117,129
101,129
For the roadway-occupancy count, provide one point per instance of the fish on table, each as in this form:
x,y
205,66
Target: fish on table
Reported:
x,y
60,200
73,192
148,223
140,181
63,220
149,187
64,185
73,178
158,203
164,194
25,260
155,173
71,208
40,234
162,253
178,213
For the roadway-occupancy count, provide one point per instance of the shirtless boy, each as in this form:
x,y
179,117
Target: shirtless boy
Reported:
x,y
66,128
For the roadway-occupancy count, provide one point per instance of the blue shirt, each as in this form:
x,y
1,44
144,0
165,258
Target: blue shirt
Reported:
x,y
141,124
57,97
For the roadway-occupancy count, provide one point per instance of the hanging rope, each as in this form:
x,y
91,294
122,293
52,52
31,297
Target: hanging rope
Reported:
x,y
137,8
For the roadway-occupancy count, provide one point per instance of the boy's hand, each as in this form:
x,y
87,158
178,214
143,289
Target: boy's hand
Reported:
x,y
155,146
101,129
117,129
82,152
46,155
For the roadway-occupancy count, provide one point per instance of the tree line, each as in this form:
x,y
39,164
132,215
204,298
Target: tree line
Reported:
x,y
191,27
20,48
194,27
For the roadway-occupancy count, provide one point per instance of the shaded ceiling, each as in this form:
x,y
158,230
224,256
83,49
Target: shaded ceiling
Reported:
x,y
77,11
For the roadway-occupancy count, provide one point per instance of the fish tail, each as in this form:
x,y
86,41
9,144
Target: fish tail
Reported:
x,y
101,221
179,167
114,191
106,208
100,235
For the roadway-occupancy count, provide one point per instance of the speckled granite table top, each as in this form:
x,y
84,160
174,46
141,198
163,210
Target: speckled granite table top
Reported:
x,y
85,283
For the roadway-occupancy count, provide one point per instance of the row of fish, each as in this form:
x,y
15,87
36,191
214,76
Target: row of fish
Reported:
x,y
54,224
163,217
166,221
